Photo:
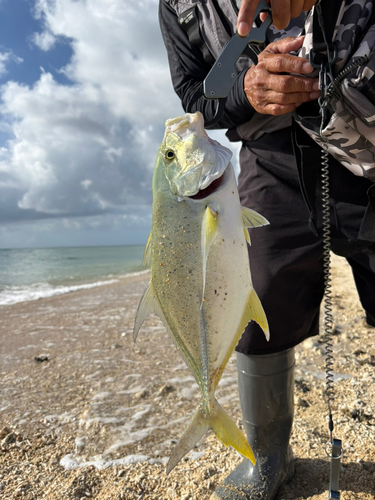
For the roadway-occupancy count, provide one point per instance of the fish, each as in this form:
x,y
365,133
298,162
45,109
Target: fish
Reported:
x,y
200,283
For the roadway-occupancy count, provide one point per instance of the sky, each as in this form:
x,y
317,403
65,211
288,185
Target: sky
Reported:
x,y
84,94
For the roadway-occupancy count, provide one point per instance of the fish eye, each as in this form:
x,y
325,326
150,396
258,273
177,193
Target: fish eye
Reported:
x,y
169,155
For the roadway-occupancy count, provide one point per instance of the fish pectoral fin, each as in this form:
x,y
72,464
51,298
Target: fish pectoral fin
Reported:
x,y
196,429
148,304
209,231
251,218
228,432
147,253
257,313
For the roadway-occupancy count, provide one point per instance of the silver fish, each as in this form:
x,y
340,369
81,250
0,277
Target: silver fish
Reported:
x,y
200,284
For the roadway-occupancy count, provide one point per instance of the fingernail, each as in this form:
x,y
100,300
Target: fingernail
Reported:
x,y
243,29
316,85
314,95
306,67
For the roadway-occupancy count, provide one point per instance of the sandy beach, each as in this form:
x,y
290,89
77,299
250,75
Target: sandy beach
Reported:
x,y
85,413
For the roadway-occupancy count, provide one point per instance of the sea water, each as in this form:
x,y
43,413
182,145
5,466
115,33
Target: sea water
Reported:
x,y
30,274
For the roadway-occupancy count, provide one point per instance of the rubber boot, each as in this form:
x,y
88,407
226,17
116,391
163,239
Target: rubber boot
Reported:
x,y
266,387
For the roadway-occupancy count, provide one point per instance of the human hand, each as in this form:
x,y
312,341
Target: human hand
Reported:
x,y
282,12
269,90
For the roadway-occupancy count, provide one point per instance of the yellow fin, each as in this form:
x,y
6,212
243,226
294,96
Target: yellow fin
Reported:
x,y
147,252
252,311
257,313
209,231
223,427
251,218
228,432
247,235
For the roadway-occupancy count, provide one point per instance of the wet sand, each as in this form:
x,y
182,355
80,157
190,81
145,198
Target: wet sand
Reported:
x,y
85,413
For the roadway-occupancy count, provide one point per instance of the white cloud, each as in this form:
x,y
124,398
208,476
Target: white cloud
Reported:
x,y
6,57
45,40
86,183
88,148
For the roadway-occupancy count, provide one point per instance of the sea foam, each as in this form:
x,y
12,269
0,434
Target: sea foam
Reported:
x,y
15,294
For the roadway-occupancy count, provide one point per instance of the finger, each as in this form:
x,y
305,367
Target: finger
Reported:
x,y
281,12
290,84
283,63
278,109
292,98
297,6
246,16
285,45
284,10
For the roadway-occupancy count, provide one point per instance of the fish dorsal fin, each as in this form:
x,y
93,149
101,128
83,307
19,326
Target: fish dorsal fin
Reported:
x,y
209,231
147,253
149,304
250,218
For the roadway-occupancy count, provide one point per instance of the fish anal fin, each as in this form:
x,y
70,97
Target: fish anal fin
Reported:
x,y
148,304
209,231
147,253
257,313
253,310
251,218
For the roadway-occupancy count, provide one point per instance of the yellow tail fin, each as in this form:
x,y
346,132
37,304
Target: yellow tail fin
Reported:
x,y
228,432
223,427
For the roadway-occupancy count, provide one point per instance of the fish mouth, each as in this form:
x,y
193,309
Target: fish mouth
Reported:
x,y
212,188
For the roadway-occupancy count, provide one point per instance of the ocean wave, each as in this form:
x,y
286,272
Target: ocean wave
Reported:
x,y
16,294
135,273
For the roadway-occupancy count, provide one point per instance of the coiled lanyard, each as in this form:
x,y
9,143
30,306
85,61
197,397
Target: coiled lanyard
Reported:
x,y
333,447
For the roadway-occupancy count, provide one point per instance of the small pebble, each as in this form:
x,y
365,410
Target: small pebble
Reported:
x,y
41,358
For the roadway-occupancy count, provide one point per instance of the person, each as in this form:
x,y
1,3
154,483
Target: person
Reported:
x,y
286,256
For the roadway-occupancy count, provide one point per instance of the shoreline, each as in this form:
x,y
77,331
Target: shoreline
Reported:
x,y
99,397
44,290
